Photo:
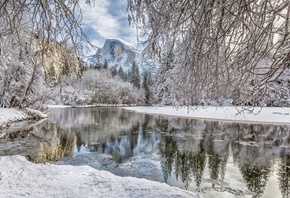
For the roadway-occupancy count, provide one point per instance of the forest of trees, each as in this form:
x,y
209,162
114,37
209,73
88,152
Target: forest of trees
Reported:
x,y
226,52
209,52
102,85
40,47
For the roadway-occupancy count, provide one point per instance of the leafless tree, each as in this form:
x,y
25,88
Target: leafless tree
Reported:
x,y
54,20
33,32
222,48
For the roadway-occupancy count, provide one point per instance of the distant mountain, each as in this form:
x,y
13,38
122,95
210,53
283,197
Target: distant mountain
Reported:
x,y
120,53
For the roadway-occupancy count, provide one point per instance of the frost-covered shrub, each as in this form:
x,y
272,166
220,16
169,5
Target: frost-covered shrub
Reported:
x,y
97,87
21,83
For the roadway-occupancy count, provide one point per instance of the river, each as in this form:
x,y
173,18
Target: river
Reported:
x,y
215,158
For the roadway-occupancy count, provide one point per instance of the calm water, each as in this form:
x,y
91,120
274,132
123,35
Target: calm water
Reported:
x,y
218,159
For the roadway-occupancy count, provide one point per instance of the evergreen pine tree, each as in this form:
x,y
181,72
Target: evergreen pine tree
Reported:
x,y
166,66
122,74
114,71
147,83
106,64
135,76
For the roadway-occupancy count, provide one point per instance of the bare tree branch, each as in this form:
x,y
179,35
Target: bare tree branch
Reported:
x,y
219,46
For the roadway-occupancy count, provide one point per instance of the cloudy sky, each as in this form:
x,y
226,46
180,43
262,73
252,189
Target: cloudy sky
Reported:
x,y
107,19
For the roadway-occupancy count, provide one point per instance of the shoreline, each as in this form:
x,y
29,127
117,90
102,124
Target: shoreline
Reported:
x,y
38,178
265,115
258,115
9,116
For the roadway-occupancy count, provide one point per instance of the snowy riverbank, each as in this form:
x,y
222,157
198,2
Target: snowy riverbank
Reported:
x,y
8,115
273,115
21,178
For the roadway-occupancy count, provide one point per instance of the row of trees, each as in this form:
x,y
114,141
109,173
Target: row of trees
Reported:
x,y
133,76
209,50
95,87
30,33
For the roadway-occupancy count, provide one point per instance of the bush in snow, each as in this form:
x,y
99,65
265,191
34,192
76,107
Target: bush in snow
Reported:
x,y
97,87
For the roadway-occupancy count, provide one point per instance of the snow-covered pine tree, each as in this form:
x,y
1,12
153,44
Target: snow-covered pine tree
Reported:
x,y
122,74
148,89
135,75
114,71
106,64
164,74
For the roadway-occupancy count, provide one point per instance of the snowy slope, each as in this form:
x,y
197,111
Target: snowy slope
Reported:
x,y
21,178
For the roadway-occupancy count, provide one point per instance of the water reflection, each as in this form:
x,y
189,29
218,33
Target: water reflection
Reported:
x,y
284,176
193,152
39,142
218,159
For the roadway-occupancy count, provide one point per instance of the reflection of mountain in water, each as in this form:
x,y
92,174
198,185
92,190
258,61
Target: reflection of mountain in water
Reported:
x,y
194,152
188,148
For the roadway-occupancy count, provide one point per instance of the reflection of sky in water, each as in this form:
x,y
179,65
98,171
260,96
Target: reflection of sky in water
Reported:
x,y
82,151
217,159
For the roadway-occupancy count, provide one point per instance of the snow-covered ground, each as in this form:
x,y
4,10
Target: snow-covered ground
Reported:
x,y
21,178
8,115
262,115
58,106
85,106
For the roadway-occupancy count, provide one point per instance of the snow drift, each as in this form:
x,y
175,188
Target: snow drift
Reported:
x,y
21,178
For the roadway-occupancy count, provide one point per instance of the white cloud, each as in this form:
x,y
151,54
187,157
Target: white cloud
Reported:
x,y
97,42
98,18
131,35
91,50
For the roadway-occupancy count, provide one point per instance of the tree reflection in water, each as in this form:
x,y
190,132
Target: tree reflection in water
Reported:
x,y
40,142
255,170
196,153
191,151
284,176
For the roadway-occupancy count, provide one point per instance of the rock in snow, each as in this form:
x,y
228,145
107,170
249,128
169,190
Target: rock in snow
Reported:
x,y
21,178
